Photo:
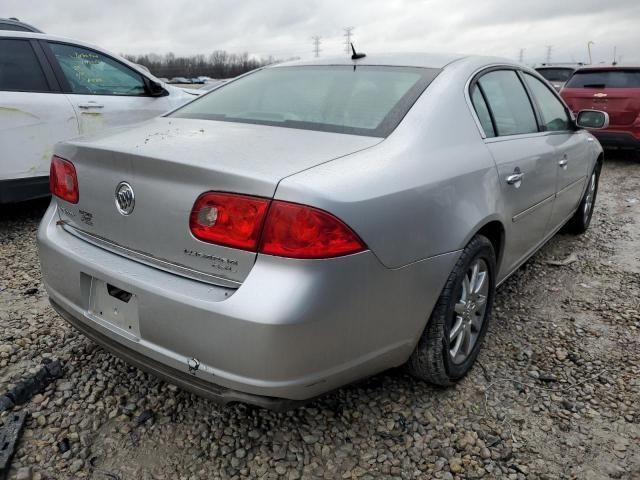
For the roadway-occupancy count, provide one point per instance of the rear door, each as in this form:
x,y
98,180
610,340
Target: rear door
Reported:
x,y
34,114
103,91
571,146
525,160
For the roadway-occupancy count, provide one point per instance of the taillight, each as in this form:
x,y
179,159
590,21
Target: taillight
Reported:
x,y
228,219
298,231
63,181
272,227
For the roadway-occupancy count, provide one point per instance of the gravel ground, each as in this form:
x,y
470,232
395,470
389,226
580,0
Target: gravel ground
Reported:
x,y
556,393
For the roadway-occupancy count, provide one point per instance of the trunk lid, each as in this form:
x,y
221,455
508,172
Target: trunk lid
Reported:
x,y
169,162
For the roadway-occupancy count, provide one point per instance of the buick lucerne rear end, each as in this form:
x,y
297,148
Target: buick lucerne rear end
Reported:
x,y
310,224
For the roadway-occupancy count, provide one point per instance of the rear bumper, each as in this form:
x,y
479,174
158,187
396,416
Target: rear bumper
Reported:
x,y
610,139
293,330
23,189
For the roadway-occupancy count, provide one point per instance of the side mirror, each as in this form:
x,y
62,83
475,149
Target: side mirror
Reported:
x,y
155,89
592,119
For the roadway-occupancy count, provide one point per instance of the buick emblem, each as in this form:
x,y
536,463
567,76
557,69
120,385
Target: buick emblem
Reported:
x,y
125,198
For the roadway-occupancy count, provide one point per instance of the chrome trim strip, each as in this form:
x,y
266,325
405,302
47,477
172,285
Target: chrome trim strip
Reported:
x,y
149,260
532,208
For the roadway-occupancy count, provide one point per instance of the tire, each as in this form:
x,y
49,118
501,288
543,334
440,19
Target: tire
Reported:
x,y
581,220
433,359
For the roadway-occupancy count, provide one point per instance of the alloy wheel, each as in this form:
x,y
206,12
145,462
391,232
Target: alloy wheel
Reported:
x,y
588,201
469,311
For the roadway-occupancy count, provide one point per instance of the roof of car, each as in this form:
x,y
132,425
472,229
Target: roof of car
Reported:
x,y
15,21
609,67
424,60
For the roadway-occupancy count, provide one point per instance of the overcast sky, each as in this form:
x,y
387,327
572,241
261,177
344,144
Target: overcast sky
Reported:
x,y
283,28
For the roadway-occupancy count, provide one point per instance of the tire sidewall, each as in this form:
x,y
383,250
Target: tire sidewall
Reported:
x,y
586,222
485,251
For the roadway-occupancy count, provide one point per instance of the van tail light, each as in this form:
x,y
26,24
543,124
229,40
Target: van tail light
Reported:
x,y
298,231
271,227
63,181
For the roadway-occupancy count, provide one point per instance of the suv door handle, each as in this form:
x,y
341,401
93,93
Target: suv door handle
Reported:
x,y
87,106
563,162
515,178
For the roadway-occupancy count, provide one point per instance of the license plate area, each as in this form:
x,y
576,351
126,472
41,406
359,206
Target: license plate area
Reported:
x,y
115,306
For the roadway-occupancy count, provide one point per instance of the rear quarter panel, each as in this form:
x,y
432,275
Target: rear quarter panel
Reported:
x,y
422,192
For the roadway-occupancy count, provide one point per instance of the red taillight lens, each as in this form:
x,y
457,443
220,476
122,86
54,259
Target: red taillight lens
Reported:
x,y
228,219
272,227
298,231
63,181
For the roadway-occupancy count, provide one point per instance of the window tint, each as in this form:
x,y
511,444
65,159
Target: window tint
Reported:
x,y
509,103
365,100
19,67
92,73
605,79
554,115
556,74
483,111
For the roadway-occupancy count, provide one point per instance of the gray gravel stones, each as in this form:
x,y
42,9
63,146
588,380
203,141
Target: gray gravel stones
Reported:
x,y
560,397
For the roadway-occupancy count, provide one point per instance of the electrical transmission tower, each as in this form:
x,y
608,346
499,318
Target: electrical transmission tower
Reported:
x,y
347,43
549,49
316,45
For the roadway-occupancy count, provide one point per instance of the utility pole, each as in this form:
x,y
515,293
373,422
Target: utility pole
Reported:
x,y
347,44
589,43
316,45
549,49
615,62
521,56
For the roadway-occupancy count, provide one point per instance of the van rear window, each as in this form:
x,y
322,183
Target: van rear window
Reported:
x,y
605,79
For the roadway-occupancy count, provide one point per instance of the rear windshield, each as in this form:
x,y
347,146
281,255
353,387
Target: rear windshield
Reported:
x,y
363,100
605,79
556,74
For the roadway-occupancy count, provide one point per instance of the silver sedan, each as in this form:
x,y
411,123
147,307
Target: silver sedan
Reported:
x,y
312,223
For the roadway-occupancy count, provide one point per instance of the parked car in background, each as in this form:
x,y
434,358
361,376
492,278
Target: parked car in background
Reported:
x,y
312,223
182,80
614,89
15,25
53,89
557,75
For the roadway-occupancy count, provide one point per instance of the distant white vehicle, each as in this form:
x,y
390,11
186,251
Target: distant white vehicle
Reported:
x,y
54,89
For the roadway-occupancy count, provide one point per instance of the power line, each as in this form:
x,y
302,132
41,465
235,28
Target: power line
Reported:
x,y
316,45
347,43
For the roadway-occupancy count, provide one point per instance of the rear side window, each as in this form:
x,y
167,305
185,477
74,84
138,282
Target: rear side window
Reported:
x,y
91,73
367,100
605,79
19,67
553,112
508,102
483,111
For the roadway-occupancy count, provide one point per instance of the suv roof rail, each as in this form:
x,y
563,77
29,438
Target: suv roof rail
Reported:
x,y
13,24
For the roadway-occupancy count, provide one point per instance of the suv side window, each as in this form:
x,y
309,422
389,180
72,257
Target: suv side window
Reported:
x,y
553,112
508,102
92,73
477,98
20,69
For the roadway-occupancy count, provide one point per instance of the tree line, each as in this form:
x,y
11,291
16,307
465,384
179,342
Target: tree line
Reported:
x,y
218,64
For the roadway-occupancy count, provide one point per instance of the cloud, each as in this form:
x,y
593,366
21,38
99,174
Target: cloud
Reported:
x,y
283,28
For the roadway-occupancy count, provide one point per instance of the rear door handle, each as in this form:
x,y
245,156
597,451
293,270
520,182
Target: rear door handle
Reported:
x,y
563,162
87,106
515,178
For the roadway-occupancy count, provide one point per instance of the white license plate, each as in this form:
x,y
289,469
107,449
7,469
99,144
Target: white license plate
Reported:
x,y
115,306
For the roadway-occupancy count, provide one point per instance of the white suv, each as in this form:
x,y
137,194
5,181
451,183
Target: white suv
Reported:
x,y
53,89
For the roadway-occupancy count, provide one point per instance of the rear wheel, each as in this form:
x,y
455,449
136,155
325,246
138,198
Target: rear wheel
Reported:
x,y
581,220
452,338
